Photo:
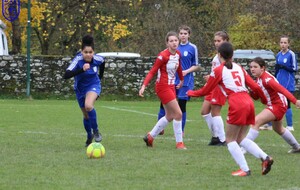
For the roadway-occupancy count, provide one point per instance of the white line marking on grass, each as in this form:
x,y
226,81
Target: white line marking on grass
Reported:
x,y
36,132
116,135
159,137
283,145
134,111
127,110
291,188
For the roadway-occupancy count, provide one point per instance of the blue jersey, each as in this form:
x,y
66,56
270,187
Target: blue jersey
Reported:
x,y
286,74
189,58
89,78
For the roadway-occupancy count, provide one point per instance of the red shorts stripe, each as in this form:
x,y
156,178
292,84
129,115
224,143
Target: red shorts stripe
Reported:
x,y
166,93
241,109
216,97
278,111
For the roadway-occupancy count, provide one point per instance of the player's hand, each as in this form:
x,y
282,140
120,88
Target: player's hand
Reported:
x,y
141,92
86,66
279,66
298,104
179,85
184,72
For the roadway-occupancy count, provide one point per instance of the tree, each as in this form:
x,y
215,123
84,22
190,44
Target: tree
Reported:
x,y
16,30
140,25
284,19
248,33
65,22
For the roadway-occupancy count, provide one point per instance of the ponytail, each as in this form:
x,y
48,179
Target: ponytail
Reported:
x,y
226,52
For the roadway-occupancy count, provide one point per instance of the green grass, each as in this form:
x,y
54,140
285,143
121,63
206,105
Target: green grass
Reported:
x,y
42,147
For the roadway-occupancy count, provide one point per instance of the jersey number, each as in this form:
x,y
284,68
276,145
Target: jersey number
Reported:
x,y
237,78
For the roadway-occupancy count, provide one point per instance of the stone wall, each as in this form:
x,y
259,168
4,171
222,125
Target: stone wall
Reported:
x,y
122,77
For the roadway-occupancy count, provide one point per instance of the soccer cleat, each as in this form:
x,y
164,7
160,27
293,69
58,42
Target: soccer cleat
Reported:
x,y
290,128
89,141
294,150
215,141
241,173
162,132
266,127
148,140
180,145
97,136
266,165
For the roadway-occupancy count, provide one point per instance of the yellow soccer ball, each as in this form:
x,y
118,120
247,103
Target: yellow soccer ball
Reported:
x,y
95,150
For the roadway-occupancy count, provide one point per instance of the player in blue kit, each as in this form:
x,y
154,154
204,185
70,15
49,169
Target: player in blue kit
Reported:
x,y
285,68
87,70
189,62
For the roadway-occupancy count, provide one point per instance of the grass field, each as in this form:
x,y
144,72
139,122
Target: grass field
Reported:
x,y
42,147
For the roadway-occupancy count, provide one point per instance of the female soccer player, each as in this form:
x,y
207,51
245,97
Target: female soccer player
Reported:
x,y
213,102
84,68
166,65
285,68
277,97
232,79
189,62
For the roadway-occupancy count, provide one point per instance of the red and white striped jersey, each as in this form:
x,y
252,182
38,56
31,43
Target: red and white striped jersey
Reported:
x,y
231,81
215,62
166,65
275,93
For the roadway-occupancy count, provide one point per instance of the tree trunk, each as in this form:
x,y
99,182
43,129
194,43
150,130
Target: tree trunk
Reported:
x,y
16,37
45,47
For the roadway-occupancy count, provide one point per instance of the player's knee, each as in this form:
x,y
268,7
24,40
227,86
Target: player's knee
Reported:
x,y
279,130
85,115
89,107
204,112
216,110
178,116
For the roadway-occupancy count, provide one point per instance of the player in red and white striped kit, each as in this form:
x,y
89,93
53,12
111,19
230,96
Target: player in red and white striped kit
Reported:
x,y
166,65
276,106
233,81
213,102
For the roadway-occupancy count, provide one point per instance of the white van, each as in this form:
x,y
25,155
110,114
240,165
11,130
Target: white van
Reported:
x,y
3,39
119,54
252,53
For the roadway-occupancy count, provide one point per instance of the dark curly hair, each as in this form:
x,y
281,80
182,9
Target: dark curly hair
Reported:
x,y
87,40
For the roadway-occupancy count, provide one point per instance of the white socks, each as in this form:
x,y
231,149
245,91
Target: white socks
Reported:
x,y
252,134
253,148
238,155
218,126
208,119
177,130
290,139
160,125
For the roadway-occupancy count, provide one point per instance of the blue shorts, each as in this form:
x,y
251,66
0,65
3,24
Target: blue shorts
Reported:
x,y
181,93
80,95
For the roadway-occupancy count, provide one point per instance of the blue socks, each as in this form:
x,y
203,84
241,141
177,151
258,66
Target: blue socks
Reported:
x,y
161,113
289,117
87,126
183,120
93,119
